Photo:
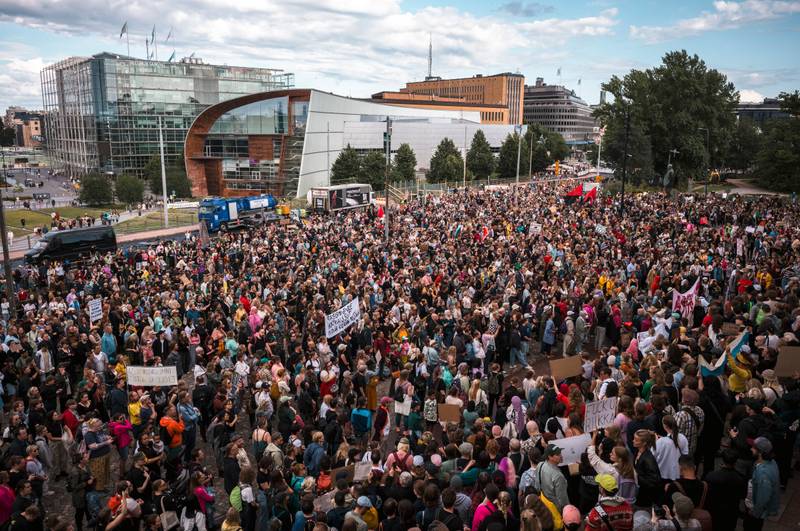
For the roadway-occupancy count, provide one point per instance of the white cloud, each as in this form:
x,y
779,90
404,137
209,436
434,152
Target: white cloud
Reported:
x,y
357,46
750,96
726,15
19,81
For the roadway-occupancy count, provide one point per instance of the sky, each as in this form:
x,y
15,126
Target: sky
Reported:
x,y
359,47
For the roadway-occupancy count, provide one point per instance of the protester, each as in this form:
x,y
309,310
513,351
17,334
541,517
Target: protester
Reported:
x,y
682,321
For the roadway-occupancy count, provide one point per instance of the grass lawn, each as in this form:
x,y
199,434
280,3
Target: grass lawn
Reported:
x,y
155,220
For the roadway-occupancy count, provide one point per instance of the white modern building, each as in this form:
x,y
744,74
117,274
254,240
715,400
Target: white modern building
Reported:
x,y
285,142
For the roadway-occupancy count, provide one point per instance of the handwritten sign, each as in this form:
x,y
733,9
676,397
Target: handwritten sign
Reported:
x,y
161,376
338,321
730,329
403,407
324,503
362,471
600,414
788,361
449,413
572,448
566,367
95,310
536,228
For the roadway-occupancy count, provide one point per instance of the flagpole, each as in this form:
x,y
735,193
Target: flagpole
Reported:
x,y
128,40
155,43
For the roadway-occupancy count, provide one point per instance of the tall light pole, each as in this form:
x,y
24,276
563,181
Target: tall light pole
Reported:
x,y
163,173
530,153
465,158
519,147
388,138
12,306
625,155
708,152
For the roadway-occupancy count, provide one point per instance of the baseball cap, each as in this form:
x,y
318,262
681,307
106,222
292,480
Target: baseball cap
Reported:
x,y
552,449
763,445
606,482
683,505
363,501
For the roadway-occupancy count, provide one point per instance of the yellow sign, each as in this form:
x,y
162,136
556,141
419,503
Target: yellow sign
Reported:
x,y
558,168
598,178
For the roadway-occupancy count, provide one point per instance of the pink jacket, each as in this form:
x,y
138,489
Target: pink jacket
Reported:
x,y
121,432
481,512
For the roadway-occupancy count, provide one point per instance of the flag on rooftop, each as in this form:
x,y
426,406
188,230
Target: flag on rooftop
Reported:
x,y
124,29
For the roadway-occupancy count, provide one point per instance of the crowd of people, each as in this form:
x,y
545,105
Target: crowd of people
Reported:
x,y
272,425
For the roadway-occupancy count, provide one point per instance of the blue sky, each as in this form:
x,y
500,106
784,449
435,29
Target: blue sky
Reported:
x,y
358,47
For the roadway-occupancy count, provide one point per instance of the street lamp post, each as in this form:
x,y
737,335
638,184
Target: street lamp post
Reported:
x,y
625,157
708,152
519,147
4,238
669,156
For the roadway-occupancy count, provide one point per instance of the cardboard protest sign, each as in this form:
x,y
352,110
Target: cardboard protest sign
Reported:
x,y
536,228
788,361
566,367
449,413
161,376
600,414
730,329
95,310
185,281
572,448
324,503
361,472
338,321
403,407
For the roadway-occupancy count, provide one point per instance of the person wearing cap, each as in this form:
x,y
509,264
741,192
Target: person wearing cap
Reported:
x,y
363,504
677,519
741,372
612,513
745,432
766,487
550,479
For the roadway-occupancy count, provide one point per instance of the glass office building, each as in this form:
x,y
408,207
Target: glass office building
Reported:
x,y
102,112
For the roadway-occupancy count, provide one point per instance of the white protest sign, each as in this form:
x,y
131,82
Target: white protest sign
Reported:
x,y
338,321
162,376
536,228
572,448
600,414
95,310
600,229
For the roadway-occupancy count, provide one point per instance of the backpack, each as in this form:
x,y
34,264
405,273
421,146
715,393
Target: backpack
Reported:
x,y
235,498
493,384
360,422
274,391
628,490
401,464
426,517
699,513
324,483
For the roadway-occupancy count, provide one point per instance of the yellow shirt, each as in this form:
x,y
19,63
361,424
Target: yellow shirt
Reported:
x,y
135,412
737,381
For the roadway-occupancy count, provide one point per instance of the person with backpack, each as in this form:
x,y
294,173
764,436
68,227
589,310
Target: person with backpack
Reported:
x,y
494,386
612,512
487,507
402,459
690,418
361,419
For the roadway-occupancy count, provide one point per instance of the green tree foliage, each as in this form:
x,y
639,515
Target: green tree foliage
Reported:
x,y
790,102
745,145
548,146
668,105
345,168
177,181
480,159
129,189
96,190
373,170
446,163
507,162
404,164
8,136
778,161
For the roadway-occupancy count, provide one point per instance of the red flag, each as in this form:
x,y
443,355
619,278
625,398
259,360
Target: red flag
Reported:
x,y
576,192
380,211
590,195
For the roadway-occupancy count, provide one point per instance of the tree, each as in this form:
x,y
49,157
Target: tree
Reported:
x,y
790,102
446,163
548,146
667,107
373,170
405,164
778,161
177,181
345,168
745,145
8,136
96,190
507,162
129,189
480,159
